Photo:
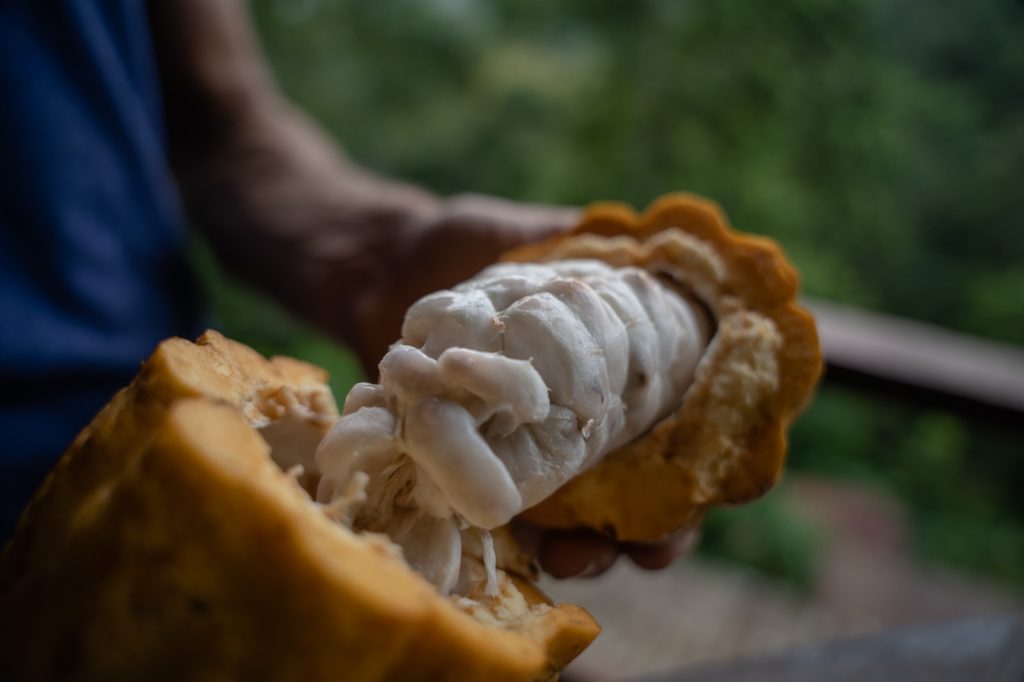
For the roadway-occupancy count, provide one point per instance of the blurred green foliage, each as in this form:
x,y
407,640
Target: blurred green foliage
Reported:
x,y
961,481
767,535
882,142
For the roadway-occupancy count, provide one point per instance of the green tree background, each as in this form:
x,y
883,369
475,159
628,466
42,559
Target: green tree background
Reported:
x,y
882,142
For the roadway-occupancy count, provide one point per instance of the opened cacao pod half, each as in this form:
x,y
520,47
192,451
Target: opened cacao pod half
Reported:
x,y
726,443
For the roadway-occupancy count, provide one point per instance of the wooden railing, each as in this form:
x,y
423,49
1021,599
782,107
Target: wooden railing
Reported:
x,y
921,362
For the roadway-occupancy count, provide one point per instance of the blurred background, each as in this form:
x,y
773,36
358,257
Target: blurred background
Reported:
x,y
881,141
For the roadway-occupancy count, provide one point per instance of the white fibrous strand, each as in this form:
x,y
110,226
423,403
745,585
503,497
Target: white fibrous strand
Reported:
x,y
490,561
501,390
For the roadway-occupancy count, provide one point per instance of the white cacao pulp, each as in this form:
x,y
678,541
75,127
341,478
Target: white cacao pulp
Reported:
x,y
501,390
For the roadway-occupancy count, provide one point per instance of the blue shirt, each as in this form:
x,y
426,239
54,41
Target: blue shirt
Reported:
x,y
92,270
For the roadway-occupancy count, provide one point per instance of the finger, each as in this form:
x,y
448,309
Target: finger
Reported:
x,y
565,554
510,223
657,555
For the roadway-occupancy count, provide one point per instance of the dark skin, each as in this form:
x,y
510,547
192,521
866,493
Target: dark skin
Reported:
x,y
339,246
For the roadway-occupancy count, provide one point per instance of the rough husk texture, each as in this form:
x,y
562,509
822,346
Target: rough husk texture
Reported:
x,y
726,444
167,545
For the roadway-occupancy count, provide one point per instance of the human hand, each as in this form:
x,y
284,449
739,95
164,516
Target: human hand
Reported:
x,y
468,233
585,553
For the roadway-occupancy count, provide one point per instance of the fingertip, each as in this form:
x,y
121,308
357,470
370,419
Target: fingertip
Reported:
x,y
656,556
567,554
651,558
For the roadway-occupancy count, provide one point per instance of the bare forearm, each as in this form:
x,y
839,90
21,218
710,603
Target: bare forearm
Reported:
x,y
278,200
288,214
